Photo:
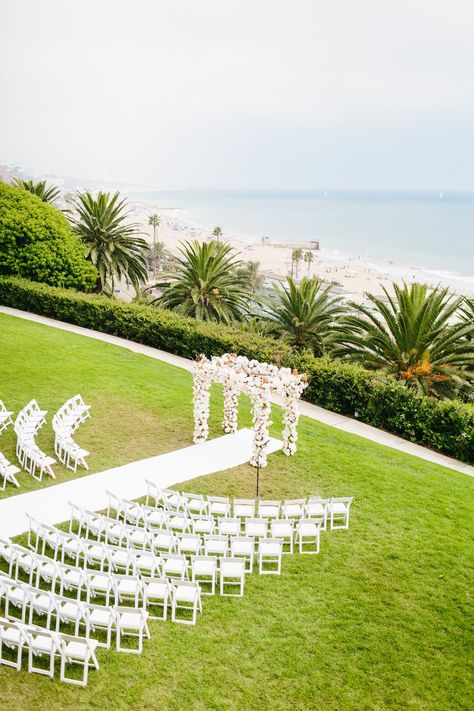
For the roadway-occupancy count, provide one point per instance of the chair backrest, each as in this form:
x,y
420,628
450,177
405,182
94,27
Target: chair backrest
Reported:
x,y
232,567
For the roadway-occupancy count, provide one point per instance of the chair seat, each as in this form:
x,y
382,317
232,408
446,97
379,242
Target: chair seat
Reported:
x,y
101,617
42,602
80,650
204,567
316,509
157,590
47,568
11,635
131,621
120,557
128,587
100,582
69,609
185,594
42,643
308,529
17,595
73,576
146,561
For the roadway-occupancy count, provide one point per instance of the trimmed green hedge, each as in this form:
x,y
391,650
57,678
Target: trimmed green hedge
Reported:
x,y
348,389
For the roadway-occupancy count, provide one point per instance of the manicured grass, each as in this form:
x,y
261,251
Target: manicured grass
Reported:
x,y
379,620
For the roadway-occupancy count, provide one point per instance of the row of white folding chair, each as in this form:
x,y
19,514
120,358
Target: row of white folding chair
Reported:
x,y
65,422
27,424
74,578
7,473
38,642
73,412
69,452
201,542
307,507
5,417
205,523
85,616
79,580
251,527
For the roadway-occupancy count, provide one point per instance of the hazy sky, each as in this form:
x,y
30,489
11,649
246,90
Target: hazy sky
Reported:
x,y
247,93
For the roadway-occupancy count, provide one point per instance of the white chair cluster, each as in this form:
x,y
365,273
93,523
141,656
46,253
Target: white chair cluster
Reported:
x,y
28,422
27,425
8,471
65,422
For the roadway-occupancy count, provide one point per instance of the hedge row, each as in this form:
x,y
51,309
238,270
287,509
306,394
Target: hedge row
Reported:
x,y
348,389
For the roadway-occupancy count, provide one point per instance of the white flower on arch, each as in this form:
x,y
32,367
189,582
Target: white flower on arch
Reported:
x,y
259,381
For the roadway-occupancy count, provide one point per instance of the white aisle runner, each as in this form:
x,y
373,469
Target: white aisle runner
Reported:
x,y
50,505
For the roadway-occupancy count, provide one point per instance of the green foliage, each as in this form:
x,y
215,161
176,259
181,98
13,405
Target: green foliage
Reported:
x,y
411,335
375,398
39,189
204,284
304,314
36,242
112,244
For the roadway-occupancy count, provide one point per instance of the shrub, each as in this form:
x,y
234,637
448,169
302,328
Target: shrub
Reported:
x,y
36,242
377,399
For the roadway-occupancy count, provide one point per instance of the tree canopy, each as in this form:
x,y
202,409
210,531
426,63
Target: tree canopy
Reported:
x,y
36,242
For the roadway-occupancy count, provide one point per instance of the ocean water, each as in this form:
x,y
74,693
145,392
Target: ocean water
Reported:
x,y
430,231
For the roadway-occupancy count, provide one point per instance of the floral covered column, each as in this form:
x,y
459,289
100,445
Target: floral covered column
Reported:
x,y
231,401
292,388
201,396
261,409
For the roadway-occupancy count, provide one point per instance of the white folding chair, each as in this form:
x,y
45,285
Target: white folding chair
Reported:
x,y
12,637
194,503
175,566
189,544
219,505
216,545
78,651
256,527
339,512
8,473
232,574
131,622
186,596
202,524
283,528
158,595
308,533
204,572
229,526
243,547
5,417
268,509
317,508
293,508
270,552
244,508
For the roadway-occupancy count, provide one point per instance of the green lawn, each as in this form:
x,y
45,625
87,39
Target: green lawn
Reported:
x,y
379,620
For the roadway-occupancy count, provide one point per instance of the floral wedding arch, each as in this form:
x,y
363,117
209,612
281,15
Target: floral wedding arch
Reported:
x,y
259,381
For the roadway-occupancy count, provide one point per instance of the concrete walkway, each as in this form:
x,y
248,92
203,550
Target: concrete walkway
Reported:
x,y
51,504
340,422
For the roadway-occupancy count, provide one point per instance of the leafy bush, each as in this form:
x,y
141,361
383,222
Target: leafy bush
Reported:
x,y
377,399
36,242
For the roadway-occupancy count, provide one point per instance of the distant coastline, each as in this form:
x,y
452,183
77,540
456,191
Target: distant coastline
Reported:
x,y
366,239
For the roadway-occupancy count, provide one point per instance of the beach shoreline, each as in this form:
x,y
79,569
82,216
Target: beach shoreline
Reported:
x,y
353,276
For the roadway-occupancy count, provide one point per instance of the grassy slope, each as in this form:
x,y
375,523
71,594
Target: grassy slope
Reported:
x,y
380,620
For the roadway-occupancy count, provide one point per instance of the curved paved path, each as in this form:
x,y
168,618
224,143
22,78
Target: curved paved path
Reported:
x,y
340,422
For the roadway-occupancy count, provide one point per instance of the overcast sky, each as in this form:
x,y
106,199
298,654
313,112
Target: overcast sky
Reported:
x,y
248,93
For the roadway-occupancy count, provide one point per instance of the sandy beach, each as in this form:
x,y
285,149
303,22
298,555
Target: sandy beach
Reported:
x,y
351,276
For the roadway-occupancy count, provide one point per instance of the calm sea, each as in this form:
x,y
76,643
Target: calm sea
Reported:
x,y
433,231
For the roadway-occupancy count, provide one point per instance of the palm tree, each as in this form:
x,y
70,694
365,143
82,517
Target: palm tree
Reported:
x,y
412,335
204,283
467,313
154,221
112,244
217,233
39,189
296,257
309,259
251,277
304,314
156,255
